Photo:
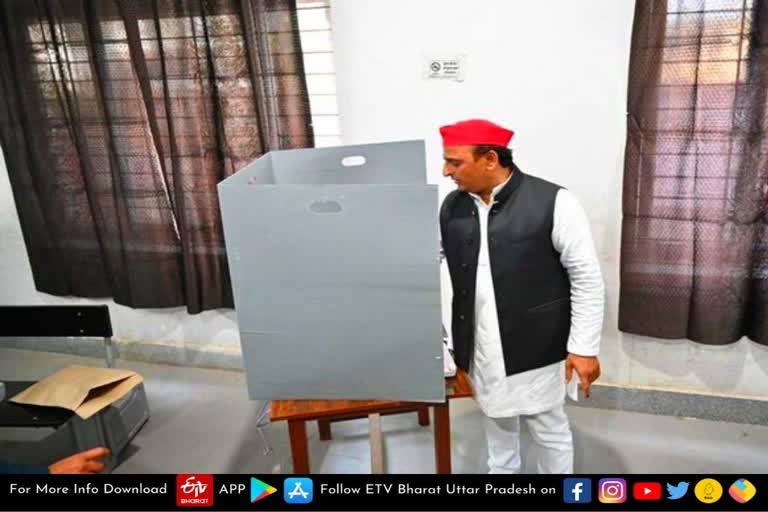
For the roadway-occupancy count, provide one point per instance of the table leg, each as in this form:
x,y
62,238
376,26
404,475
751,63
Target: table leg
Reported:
x,y
297,431
324,427
424,416
377,444
442,439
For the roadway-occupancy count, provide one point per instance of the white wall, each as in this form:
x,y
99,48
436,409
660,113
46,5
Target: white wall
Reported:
x,y
556,73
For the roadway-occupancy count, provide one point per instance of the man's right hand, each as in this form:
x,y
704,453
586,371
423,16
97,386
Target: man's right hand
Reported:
x,y
82,463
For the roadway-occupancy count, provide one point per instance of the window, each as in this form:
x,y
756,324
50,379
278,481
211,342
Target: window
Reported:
x,y
125,117
63,66
68,64
315,32
702,70
695,182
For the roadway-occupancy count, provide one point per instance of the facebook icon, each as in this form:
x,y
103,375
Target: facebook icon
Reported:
x,y
577,490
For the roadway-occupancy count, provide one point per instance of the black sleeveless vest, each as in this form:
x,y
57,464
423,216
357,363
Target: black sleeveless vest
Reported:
x,y
531,286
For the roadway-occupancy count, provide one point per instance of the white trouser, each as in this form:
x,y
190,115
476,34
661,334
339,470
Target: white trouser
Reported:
x,y
550,431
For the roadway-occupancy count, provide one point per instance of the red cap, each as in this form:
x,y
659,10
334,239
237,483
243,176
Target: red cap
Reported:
x,y
475,132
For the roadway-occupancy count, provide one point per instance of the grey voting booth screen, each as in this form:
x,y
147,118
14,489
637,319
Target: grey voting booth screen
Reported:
x,y
334,259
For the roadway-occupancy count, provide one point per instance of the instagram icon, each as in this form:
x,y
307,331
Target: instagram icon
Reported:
x,y
612,490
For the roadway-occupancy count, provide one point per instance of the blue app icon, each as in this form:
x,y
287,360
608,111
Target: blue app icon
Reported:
x,y
297,491
577,490
677,491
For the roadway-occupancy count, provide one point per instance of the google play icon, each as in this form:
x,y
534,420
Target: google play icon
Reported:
x,y
260,490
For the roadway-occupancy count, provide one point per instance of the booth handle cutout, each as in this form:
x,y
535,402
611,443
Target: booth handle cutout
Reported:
x,y
325,206
353,161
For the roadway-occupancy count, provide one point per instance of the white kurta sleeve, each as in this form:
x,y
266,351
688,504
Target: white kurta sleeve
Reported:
x,y
446,295
572,238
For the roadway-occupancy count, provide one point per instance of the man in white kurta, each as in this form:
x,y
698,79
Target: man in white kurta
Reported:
x,y
535,396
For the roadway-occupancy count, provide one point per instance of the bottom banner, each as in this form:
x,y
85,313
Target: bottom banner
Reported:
x,y
384,492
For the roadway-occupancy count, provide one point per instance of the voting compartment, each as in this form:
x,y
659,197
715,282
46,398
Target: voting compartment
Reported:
x,y
334,260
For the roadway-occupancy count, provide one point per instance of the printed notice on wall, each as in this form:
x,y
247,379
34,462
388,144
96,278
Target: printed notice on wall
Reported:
x,y
445,68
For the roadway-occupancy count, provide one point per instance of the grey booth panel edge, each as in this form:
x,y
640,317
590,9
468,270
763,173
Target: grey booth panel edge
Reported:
x,y
385,163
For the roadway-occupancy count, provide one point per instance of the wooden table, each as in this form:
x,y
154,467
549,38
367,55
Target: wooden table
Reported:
x,y
298,412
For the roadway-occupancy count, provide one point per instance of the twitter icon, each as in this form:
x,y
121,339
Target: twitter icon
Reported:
x,y
677,491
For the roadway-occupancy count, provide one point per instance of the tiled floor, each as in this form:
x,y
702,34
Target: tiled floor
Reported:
x,y
202,421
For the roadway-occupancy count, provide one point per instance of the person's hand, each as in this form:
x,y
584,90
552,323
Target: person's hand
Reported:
x,y
588,368
82,463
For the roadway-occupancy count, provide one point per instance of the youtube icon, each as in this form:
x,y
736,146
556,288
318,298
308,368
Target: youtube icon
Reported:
x,y
647,491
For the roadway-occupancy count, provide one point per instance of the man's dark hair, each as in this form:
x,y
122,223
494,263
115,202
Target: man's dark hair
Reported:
x,y
505,154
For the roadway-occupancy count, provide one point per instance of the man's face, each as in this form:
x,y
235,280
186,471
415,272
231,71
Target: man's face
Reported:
x,y
470,175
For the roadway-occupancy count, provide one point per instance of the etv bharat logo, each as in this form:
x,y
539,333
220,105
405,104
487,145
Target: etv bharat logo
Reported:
x,y
194,490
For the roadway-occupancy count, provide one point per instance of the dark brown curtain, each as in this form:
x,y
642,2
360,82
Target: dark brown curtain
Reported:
x,y
694,259
117,120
